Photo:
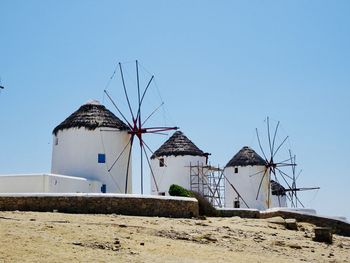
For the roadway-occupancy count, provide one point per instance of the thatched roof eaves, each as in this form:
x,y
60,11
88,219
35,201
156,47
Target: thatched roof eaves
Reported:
x,y
277,189
91,116
178,144
245,157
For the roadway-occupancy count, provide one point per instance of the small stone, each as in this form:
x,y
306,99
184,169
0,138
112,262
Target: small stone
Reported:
x,y
276,220
296,246
291,224
210,238
142,243
323,234
32,219
201,224
279,243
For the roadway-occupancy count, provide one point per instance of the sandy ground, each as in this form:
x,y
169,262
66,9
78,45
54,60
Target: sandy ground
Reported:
x,y
57,237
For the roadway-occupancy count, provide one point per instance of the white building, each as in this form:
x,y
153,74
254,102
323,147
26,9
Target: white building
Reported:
x,y
87,144
246,171
47,183
278,194
171,163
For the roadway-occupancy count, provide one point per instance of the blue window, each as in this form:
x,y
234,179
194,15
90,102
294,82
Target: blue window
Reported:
x,y
101,158
104,188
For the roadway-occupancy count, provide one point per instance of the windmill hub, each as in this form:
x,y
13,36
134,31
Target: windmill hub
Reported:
x,y
271,165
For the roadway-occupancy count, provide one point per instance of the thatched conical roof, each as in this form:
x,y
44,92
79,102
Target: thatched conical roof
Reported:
x,y
277,189
178,144
90,116
245,157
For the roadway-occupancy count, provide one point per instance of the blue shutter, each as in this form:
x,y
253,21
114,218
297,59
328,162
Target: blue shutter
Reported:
x,y
101,158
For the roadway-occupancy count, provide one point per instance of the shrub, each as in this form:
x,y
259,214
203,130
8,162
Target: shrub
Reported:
x,y
176,190
205,208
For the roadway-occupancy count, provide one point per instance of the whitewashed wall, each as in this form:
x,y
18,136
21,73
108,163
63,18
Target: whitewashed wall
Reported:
x,y
75,153
247,186
282,202
47,183
175,171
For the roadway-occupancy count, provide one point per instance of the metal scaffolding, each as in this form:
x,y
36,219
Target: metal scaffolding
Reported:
x,y
205,180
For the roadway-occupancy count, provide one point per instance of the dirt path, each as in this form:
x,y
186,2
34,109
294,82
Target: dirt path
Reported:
x,y
56,237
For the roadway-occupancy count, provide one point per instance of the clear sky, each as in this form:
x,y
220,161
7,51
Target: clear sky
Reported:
x,y
221,68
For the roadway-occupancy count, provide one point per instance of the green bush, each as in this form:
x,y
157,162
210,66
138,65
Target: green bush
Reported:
x,y
205,208
176,190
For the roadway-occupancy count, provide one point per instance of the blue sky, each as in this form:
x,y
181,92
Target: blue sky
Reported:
x,y
221,67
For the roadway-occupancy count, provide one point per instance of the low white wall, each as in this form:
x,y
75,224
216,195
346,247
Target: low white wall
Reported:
x,y
47,183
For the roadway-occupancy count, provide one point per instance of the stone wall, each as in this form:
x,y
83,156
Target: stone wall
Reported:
x,y
338,226
135,205
241,212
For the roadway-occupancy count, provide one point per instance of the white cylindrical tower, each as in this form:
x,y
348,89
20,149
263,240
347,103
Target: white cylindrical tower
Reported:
x,y
246,171
279,197
171,163
87,144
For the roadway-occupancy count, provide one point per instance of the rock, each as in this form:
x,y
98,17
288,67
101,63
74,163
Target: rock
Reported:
x,y
115,248
201,224
291,224
279,243
323,234
276,220
210,238
296,246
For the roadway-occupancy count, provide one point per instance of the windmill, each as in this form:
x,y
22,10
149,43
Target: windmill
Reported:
x,y
293,190
283,170
137,122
